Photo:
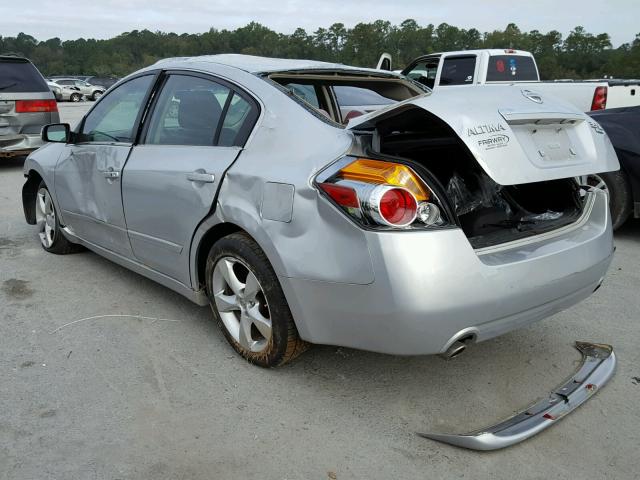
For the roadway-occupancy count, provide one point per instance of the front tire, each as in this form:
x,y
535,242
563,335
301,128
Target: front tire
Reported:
x,y
248,303
96,95
51,237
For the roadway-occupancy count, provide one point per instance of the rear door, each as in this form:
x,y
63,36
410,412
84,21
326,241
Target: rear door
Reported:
x,y
196,129
88,173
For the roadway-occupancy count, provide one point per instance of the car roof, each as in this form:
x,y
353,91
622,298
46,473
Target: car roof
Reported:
x,y
256,65
14,58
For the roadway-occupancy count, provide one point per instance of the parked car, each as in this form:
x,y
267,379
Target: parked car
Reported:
x,y
438,221
623,128
492,67
26,105
92,92
106,82
64,92
56,89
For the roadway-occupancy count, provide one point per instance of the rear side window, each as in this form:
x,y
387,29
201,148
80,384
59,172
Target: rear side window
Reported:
x,y
458,70
238,122
304,92
17,76
511,68
188,112
200,112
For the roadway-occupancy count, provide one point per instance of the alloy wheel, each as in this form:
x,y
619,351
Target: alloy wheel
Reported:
x,y
593,180
45,218
241,303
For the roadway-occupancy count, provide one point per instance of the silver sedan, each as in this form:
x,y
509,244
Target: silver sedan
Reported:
x,y
434,222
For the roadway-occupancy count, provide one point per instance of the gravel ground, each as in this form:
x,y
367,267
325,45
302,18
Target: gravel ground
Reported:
x,y
89,393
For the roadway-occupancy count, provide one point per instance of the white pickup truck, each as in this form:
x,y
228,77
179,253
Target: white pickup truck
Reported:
x,y
495,67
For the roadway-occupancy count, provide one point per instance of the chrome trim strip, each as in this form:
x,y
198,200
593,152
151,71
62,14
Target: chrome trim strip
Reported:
x,y
584,217
597,367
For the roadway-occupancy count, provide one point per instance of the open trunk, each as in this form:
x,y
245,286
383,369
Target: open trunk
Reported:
x,y
505,173
488,213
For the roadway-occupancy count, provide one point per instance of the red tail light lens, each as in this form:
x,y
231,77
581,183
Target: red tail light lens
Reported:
x,y
396,206
33,106
599,99
344,196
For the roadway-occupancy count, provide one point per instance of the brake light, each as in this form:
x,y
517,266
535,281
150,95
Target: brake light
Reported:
x,y
343,196
395,206
381,194
599,99
33,106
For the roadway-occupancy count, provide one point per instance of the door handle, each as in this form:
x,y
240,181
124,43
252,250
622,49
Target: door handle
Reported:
x,y
201,177
111,174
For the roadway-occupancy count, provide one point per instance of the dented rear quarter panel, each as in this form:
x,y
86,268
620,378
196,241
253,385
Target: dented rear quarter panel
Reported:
x,y
289,146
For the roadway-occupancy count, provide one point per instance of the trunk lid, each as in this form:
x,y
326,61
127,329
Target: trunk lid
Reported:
x,y
515,134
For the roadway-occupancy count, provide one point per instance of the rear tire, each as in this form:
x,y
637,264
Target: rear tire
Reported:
x,y
248,303
620,199
51,237
75,97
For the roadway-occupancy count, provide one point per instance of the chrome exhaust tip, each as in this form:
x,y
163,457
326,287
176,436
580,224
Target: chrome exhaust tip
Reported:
x,y
454,350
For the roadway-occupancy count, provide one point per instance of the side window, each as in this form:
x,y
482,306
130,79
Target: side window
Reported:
x,y
304,92
188,112
113,119
425,72
458,70
237,125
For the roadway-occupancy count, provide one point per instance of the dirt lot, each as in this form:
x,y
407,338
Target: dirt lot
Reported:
x,y
88,394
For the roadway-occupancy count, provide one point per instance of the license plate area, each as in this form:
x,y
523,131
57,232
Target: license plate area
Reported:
x,y
549,146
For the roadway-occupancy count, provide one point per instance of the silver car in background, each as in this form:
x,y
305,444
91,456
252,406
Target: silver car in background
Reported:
x,y
26,105
92,92
424,226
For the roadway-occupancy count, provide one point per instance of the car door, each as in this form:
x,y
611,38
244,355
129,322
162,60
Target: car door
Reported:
x,y
87,176
196,130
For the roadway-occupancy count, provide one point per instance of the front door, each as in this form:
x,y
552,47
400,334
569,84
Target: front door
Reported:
x,y
88,173
196,130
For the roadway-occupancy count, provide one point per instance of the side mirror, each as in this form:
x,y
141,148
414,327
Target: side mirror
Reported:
x,y
56,132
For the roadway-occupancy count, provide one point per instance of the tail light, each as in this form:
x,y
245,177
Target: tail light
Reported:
x,y
33,106
599,99
380,194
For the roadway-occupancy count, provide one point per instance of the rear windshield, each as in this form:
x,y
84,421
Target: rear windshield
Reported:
x,y
356,96
511,68
19,76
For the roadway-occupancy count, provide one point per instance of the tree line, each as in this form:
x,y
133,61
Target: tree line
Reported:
x,y
579,55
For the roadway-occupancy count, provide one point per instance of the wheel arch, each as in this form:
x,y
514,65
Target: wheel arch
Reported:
x,y
29,191
215,228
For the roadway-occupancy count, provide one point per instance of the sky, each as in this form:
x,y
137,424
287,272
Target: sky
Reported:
x,y
45,19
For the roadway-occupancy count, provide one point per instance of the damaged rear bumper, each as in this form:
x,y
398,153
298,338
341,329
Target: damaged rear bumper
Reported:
x,y
17,145
598,366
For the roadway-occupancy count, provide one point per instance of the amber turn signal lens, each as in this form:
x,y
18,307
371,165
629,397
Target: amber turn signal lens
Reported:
x,y
387,173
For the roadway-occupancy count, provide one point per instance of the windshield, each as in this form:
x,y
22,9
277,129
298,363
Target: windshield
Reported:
x,y
511,68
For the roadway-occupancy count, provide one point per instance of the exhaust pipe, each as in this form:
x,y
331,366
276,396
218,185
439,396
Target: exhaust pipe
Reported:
x,y
454,350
